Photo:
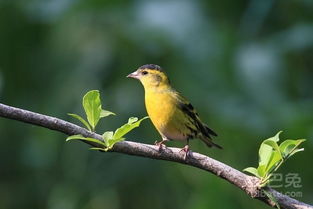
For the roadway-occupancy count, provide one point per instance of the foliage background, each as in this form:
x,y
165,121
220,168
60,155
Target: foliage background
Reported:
x,y
246,65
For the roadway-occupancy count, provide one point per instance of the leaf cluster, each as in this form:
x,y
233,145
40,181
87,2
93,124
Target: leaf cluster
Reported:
x,y
272,156
94,112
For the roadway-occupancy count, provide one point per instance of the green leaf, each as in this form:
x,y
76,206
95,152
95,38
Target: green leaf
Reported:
x,y
261,171
266,149
132,123
106,113
107,135
92,106
109,140
272,198
288,147
80,137
272,156
269,155
274,160
276,137
295,151
81,120
265,153
252,171
132,120
273,144
112,142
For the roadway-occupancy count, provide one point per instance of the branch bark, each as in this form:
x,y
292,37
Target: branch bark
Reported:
x,y
246,183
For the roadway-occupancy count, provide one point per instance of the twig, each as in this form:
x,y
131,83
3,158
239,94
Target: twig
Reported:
x,y
248,184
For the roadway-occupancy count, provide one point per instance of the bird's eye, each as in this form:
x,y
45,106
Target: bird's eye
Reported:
x,y
144,72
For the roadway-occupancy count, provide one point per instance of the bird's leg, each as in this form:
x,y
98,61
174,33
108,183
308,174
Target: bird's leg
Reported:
x,y
161,143
186,150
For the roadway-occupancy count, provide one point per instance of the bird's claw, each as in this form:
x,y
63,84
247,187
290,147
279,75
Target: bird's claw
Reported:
x,y
186,151
160,145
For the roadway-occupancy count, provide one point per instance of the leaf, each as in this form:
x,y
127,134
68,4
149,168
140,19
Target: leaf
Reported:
x,y
107,135
132,123
265,153
80,137
266,149
289,146
132,120
276,155
274,160
112,142
276,137
252,171
272,198
82,120
273,144
261,171
295,151
272,156
106,113
111,139
92,106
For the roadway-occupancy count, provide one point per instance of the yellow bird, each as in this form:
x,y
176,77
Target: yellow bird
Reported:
x,y
171,114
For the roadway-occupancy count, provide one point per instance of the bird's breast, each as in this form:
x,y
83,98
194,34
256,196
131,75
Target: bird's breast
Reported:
x,y
162,110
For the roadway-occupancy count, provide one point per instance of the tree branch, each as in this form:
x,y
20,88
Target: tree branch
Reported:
x,y
246,183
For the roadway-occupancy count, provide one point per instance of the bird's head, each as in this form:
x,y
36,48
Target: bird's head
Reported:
x,y
151,76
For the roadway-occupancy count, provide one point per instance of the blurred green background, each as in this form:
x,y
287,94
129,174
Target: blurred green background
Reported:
x,y
246,65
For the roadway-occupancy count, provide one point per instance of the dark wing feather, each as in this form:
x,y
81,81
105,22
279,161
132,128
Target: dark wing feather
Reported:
x,y
187,108
197,129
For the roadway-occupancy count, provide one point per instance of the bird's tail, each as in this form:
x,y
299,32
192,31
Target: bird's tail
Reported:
x,y
209,142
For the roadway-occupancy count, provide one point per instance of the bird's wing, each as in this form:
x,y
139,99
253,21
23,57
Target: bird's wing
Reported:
x,y
186,107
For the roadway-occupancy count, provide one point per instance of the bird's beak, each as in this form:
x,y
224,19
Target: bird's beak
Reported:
x,y
133,75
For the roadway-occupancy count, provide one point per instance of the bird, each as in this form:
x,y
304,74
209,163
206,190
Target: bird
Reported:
x,y
173,115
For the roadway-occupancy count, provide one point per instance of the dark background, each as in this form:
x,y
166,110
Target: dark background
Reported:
x,y
247,67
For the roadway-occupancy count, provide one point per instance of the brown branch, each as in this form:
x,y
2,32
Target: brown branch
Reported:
x,y
246,183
